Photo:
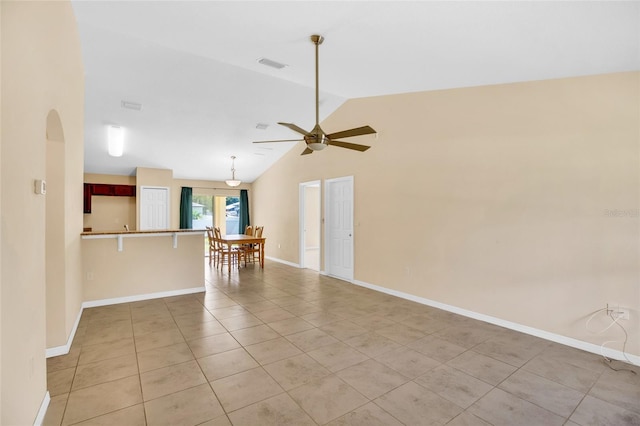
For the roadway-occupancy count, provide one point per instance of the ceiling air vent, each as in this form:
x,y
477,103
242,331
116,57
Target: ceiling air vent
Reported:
x,y
262,126
270,63
131,105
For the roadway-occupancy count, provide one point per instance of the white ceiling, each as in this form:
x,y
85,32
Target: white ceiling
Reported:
x,y
193,66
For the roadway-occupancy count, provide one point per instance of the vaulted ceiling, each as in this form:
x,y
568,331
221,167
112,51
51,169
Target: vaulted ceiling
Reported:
x,y
193,66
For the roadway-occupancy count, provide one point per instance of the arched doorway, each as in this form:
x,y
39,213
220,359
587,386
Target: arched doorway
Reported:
x,y
54,238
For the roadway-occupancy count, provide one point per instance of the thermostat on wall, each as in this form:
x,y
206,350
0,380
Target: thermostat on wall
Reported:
x,y
40,186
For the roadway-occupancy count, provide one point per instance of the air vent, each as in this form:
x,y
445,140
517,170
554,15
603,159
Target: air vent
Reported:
x,y
262,126
270,63
131,105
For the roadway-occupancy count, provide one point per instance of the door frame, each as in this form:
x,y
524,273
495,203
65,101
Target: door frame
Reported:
x,y
327,222
302,210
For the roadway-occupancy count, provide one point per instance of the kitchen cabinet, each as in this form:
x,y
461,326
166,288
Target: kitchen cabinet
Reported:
x,y
106,189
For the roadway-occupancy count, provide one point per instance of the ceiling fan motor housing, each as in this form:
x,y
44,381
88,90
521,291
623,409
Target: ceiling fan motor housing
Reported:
x,y
316,139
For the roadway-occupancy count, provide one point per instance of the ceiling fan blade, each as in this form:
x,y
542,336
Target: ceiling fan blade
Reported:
x,y
358,131
307,151
348,145
295,128
280,140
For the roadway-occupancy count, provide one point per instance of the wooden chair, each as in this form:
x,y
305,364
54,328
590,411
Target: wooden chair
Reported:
x,y
222,254
212,250
252,251
248,230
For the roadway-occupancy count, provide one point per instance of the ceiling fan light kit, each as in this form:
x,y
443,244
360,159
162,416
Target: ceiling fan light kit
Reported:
x,y
317,139
233,181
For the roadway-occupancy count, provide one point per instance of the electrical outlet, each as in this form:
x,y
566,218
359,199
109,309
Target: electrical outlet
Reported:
x,y
617,312
620,313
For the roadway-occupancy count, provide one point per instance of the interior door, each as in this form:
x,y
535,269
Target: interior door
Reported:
x,y
154,208
339,227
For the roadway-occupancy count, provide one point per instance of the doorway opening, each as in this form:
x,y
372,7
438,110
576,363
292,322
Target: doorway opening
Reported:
x,y
310,224
54,232
216,211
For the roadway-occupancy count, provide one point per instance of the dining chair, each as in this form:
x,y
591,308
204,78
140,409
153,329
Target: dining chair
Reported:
x,y
224,256
212,250
252,251
248,230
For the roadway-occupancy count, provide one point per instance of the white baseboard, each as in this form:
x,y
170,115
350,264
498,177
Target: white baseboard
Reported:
x,y
64,349
140,297
43,410
568,341
275,259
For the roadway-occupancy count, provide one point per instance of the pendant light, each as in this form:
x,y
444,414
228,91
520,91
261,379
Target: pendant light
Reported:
x,y
233,181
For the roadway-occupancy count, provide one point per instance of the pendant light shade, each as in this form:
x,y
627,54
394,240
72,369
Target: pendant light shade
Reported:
x,y
233,181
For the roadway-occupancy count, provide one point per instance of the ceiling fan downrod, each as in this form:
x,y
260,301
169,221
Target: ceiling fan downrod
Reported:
x,y
317,139
317,40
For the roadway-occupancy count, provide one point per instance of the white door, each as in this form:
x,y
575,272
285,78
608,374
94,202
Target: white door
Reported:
x,y
154,208
339,227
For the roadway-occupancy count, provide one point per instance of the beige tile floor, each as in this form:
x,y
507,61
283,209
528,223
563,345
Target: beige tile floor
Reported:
x,y
284,346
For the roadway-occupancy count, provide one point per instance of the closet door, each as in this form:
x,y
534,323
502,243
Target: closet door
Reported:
x,y
154,208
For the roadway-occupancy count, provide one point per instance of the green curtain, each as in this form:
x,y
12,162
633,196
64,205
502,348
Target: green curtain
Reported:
x,y
186,211
243,221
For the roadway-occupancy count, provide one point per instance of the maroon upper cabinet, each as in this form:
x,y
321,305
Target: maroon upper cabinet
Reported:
x,y
124,190
101,189
106,189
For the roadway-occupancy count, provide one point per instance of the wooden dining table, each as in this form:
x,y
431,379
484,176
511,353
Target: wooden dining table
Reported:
x,y
239,239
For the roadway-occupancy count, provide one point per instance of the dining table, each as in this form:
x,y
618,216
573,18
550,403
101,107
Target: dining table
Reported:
x,y
238,239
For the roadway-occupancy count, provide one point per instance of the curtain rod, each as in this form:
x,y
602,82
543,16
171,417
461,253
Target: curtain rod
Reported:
x,y
224,189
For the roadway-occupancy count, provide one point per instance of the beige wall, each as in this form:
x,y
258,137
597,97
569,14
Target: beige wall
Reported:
x,y
109,179
504,191
1,239
146,265
41,71
111,214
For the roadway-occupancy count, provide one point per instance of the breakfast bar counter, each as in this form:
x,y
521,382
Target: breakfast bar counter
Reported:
x,y
125,266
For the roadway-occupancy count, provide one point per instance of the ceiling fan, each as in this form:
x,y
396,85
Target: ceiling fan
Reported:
x,y
317,139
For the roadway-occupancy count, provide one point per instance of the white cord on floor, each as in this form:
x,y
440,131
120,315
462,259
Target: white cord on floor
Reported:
x,y
624,342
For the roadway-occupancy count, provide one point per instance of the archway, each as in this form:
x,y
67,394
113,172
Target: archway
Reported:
x,y
54,238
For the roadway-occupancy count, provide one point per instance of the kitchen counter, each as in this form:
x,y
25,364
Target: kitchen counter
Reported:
x,y
148,264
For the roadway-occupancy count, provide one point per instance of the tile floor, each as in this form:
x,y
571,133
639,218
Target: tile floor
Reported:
x,y
286,346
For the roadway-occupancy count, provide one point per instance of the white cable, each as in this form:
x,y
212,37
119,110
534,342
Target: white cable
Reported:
x,y
613,322
624,346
